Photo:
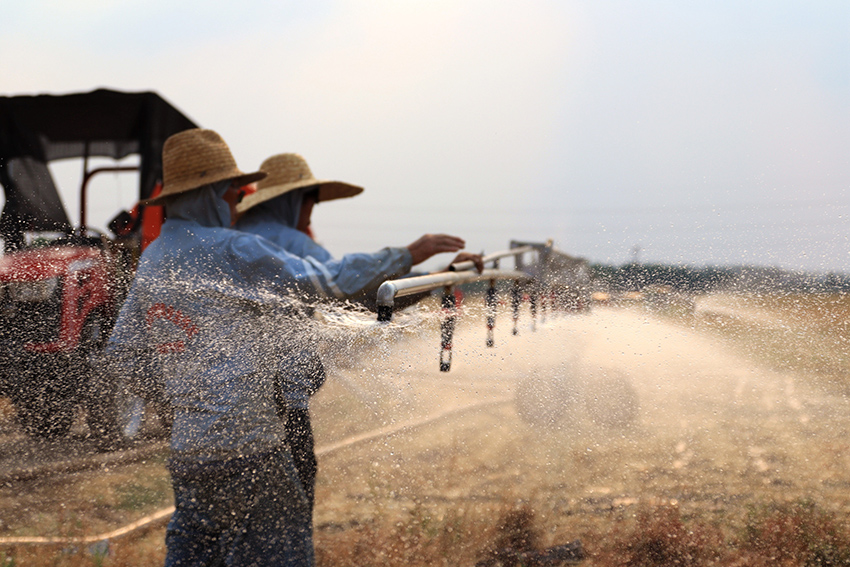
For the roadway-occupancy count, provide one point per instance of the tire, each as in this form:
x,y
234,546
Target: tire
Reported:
x,y
46,398
45,413
93,334
101,413
112,416
117,414
164,414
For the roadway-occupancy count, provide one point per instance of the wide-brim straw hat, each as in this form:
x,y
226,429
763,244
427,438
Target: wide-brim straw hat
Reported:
x,y
287,172
194,158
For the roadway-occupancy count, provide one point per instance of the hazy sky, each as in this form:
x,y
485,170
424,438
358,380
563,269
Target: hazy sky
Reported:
x,y
702,132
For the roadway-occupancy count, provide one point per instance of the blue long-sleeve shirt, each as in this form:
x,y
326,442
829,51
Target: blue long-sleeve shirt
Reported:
x,y
354,276
214,305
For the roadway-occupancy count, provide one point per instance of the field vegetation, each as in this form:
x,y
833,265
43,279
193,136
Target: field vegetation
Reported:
x,y
490,493
773,535
805,333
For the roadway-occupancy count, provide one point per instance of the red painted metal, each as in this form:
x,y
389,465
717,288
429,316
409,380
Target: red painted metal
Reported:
x,y
85,272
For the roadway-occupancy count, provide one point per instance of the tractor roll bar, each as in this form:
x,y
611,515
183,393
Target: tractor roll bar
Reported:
x,y
87,175
462,272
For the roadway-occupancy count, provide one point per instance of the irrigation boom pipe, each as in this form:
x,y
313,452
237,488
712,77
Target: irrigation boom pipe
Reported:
x,y
494,257
462,272
391,289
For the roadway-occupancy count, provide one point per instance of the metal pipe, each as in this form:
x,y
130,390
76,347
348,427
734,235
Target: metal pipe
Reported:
x,y
516,299
494,257
447,328
461,272
391,289
490,302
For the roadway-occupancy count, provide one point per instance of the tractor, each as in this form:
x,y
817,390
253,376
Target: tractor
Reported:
x,y
61,286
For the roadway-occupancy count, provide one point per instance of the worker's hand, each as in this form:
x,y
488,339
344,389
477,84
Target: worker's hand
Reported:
x,y
476,259
431,244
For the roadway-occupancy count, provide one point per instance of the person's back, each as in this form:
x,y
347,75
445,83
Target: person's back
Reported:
x,y
186,290
204,298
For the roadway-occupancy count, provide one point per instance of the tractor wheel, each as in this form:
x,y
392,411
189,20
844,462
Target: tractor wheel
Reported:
x,y
129,412
45,413
101,388
101,414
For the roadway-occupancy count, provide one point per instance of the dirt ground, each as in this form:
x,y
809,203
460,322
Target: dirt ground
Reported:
x,y
693,425
713,432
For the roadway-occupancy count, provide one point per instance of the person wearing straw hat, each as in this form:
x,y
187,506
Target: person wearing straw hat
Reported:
x,y
204,299
280,211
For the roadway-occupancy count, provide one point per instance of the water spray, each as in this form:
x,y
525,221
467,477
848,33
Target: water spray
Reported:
x,y
447,328
461,272
550,268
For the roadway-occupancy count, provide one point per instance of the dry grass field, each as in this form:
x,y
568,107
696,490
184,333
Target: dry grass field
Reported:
x,y
729,447
806,333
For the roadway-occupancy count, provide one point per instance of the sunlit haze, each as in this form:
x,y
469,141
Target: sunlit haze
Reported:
x,y
676,132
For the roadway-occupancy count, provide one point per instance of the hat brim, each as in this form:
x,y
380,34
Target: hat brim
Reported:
x,y
164,197
328,191
332,190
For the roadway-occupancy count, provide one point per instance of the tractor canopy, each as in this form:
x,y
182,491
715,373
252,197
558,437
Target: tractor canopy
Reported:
x,y
35,130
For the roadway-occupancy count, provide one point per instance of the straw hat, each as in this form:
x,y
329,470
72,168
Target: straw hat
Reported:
x,y
287,172
194,158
